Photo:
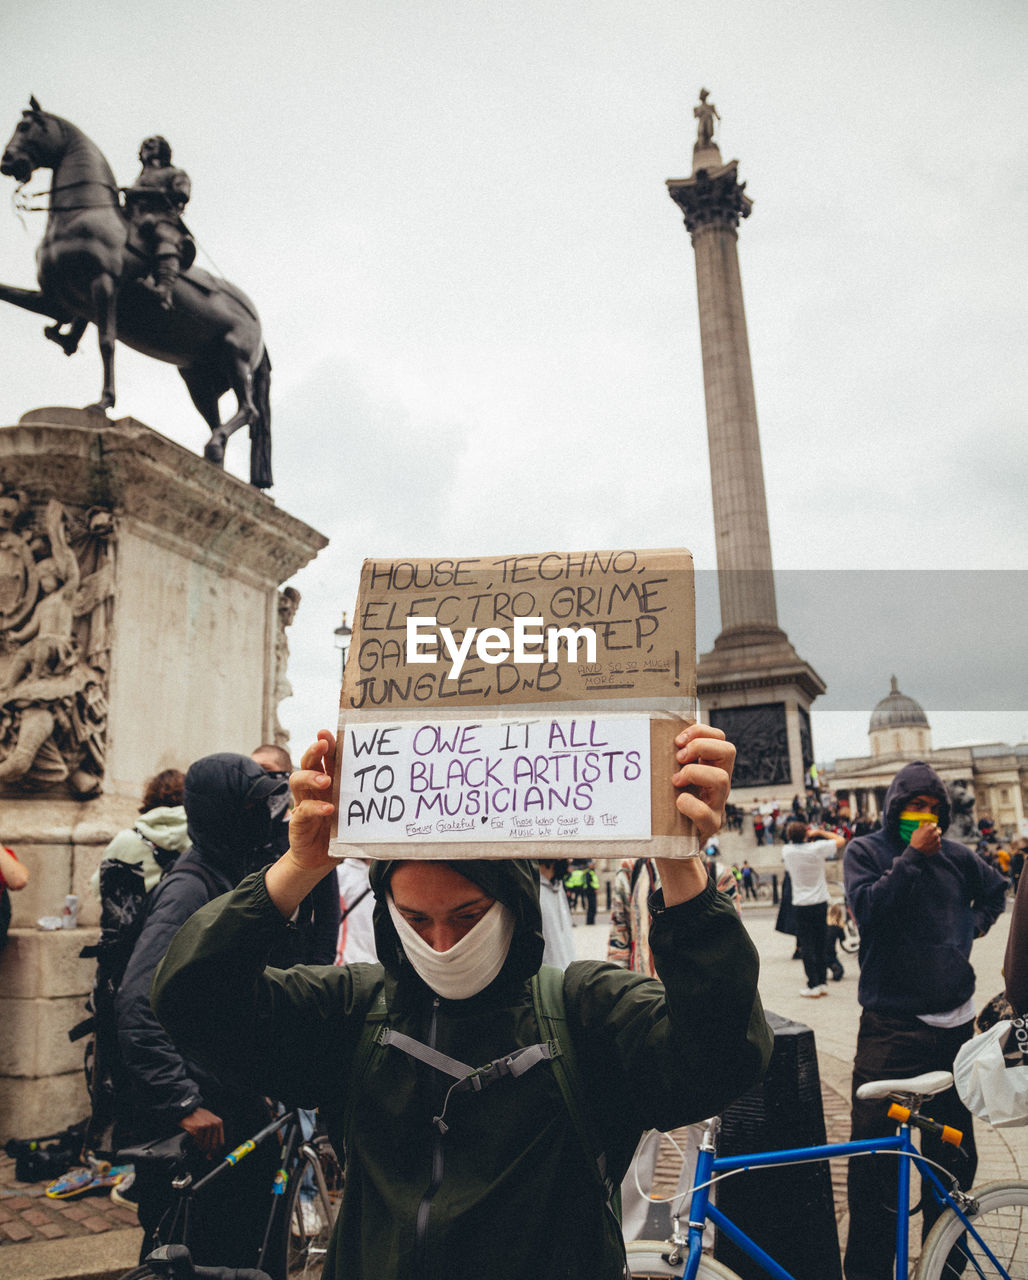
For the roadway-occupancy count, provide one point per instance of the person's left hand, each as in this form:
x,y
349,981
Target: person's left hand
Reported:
x,y
705,777
310,824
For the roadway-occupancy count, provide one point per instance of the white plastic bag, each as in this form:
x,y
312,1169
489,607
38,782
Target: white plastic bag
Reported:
x,y
987,1086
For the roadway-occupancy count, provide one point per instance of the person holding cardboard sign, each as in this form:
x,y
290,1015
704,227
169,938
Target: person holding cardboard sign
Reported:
x,y
502,1170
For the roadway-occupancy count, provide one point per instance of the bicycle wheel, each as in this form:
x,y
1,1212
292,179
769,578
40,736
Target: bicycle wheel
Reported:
x,y
309,1221
646,1263
1001,1221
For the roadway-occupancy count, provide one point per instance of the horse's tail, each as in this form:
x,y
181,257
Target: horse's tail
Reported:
x,y
260,428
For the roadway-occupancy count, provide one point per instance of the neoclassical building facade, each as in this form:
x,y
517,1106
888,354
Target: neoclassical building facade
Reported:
x,y
994,775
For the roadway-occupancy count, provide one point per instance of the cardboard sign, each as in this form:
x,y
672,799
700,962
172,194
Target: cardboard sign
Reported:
x,y
499,706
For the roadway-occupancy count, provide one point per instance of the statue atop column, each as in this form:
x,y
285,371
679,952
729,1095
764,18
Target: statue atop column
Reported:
x,y
706,114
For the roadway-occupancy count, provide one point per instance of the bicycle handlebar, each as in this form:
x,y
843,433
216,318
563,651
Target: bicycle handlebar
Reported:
x,y
905,1116
175,1262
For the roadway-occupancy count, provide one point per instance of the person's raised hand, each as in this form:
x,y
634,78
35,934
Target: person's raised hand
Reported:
x,y
310,825
927,839
704,778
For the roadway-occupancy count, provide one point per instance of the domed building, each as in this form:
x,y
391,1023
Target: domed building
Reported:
x,y
899,726
989,779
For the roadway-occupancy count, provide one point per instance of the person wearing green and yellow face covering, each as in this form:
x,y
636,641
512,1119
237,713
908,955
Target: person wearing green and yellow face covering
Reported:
x,y
920,901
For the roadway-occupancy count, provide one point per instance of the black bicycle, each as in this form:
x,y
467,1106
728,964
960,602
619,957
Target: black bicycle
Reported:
x,y
303,1200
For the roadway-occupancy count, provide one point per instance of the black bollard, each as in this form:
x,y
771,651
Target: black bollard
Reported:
x,y
788,1210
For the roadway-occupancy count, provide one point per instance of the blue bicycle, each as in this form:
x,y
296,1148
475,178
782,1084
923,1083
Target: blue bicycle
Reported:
x,y
981,1233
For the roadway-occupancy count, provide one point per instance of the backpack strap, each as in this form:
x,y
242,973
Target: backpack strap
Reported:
x,y
368,1047
557,1048
477,1078
550,1012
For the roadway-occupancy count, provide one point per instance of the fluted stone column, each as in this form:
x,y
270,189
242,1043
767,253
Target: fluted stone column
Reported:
x,y
752,684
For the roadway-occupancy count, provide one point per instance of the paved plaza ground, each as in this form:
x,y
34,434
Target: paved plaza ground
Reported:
x,y
91,1239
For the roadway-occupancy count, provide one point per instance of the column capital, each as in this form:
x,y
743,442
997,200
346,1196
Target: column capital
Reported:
x,y
711,197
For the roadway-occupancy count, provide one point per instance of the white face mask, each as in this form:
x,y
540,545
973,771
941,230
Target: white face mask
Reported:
x,y
470,964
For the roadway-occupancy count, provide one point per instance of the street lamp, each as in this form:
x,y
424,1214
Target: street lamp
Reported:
x,y
342,635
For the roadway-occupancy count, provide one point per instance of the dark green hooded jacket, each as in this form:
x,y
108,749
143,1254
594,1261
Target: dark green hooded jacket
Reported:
x,y
508,1191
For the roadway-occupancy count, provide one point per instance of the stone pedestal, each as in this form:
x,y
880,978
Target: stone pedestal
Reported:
x,y
755,687
178,623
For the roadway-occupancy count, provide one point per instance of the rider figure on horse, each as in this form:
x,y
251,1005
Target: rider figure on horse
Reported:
x,y
154,204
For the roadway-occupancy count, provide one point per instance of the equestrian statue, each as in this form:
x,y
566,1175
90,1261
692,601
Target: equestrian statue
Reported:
x,y
128,269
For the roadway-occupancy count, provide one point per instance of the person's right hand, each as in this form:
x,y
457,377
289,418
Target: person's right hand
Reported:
x,y
927,839
310,826
206,1130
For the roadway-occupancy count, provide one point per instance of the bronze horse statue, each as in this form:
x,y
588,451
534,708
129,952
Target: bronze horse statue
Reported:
x,y
92,267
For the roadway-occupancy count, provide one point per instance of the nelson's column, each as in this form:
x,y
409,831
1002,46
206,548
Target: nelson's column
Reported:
x,y
752,684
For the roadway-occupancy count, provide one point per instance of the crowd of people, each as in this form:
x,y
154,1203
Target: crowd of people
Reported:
x,y
261,958
818,808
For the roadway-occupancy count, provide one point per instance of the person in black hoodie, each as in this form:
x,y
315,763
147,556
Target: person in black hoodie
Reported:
x,y
228,801
920,901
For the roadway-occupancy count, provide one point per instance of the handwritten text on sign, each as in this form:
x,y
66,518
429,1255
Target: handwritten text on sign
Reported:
x,y
555,627
574,777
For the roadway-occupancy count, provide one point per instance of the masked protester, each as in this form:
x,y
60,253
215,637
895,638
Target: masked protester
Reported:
x,y
437,1172
920,901
229,802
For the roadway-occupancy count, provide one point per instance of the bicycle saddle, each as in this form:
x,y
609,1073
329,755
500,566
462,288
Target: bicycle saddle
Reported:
x,y
924,1086
167,1153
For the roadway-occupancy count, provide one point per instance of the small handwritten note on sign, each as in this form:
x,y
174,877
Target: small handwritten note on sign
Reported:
x,y
502,706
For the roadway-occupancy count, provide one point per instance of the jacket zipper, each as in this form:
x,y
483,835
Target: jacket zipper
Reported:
x,y
425,1207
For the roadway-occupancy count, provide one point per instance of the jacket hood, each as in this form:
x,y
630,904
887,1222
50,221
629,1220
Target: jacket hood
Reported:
x,y
227,810
165,826
912,780
514,882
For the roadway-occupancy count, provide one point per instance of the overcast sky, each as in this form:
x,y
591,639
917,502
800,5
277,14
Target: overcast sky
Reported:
x,y
480,302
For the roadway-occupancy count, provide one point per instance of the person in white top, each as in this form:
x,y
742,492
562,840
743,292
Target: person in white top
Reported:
x,y
804,857
356,943
558,940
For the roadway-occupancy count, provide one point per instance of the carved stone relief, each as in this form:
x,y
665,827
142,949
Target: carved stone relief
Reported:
x,y
56,605
761,742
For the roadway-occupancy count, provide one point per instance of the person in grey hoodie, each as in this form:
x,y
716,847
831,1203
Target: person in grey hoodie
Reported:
x,y
920,901
159,835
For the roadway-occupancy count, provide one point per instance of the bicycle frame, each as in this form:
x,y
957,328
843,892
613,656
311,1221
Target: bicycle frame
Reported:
x,y
188,1190
710,1166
